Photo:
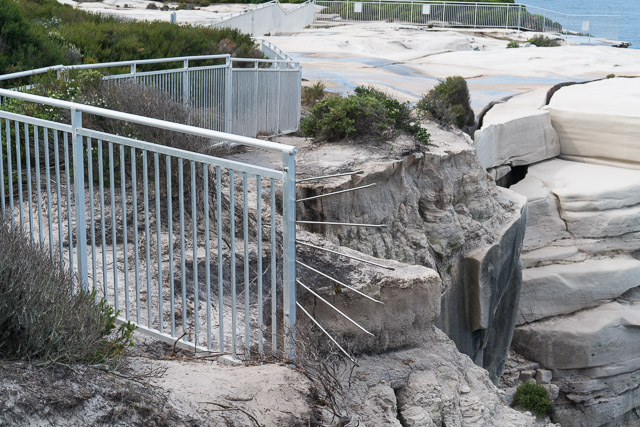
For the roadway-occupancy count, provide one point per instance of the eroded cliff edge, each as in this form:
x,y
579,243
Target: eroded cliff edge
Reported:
x,y
442,211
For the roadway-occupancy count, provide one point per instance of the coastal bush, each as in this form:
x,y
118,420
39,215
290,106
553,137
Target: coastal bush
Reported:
x,y
368,113
534,398
513,44
543,41
45,315
41,33
449,102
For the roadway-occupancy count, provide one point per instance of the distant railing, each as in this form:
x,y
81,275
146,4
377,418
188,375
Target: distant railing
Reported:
x,y
264,99
184,245
268,17
466,14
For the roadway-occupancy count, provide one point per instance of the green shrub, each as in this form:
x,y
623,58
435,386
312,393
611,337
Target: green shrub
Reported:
x,y
611,76
368,113
45,316
534,398
543,41
513,45
449,102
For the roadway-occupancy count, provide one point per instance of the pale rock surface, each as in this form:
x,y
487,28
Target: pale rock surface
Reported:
x,y
517,132
599,122
566,288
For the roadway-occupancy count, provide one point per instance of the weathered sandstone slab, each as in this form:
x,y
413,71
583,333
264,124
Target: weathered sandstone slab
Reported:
x,y
599,122
565,288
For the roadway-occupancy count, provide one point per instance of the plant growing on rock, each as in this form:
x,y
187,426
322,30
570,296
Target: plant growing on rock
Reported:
x,y
543,41
534,398
46,316
368,113
449,102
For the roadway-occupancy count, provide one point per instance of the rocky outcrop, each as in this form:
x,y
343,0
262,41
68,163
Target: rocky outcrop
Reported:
x,y
433,385
442,211
516,132
599,122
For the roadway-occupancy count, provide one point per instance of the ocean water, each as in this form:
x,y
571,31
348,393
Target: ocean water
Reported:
x,y
629,11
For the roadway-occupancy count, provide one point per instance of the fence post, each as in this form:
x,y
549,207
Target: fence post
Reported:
x,y
78,180
289,248
348,10
444,5
185,83
475,18
278,98
506,21
228,89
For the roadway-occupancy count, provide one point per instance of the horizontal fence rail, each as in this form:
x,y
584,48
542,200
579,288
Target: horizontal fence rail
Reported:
x,y
466,14
217,95
187,246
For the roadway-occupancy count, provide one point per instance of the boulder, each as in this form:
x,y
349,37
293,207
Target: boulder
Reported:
x,y
599,122
517,132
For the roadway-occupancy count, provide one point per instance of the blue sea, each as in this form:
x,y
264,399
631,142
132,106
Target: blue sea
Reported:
x,y
629,11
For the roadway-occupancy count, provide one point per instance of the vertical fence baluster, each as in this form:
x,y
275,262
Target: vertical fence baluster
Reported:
x,y
220,257
274,328
125,249
92,221
105,282
232,264
2,173
259,240
27,150
289,247
170,230
194,226
68,183
134,205
207,248
145,192
245,229
114,242
56,150
38,183
182,248
156,158
19,168
79,198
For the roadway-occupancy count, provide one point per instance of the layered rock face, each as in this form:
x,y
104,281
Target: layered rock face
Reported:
x,y
580,303
442,211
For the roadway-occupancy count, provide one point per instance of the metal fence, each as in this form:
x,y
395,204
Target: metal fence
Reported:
x,y
268,103
184,245
267,18
466,14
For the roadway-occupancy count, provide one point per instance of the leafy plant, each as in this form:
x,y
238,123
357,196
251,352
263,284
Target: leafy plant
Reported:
x,y
368,113
513,44
611,76
449,102
543,41
534,398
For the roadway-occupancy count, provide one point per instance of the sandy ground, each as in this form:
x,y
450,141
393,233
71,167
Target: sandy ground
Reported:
x,y
407,60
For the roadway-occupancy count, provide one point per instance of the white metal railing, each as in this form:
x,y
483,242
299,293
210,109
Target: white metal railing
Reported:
x,y
268,17
262,99
467,14
184,245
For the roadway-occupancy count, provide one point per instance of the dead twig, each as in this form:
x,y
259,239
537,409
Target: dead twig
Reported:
x,y
232,408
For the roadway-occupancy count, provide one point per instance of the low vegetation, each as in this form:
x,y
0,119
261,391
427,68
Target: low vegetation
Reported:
x,y
42,33
535,398
45,315
543,41
366,114
449,103
311,95
513,44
